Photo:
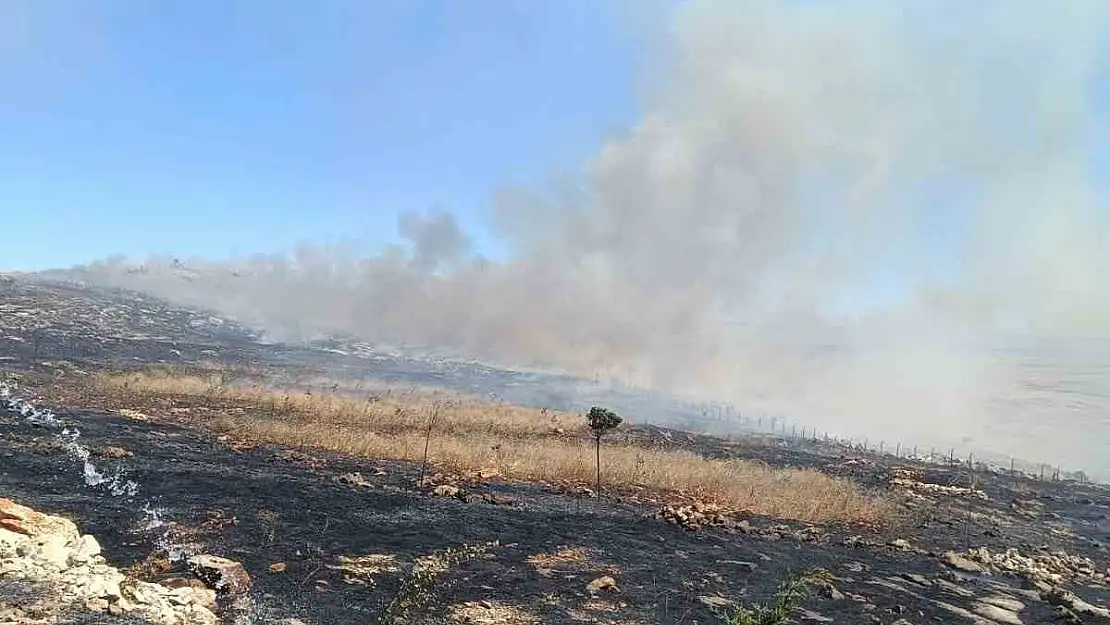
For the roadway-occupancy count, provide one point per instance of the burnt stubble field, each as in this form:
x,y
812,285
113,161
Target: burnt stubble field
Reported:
x,y
329,530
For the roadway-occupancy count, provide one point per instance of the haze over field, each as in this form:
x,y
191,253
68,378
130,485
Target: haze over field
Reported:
x,y
887,219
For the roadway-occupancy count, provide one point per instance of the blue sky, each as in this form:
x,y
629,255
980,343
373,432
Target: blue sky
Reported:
x,y
217,127
221,127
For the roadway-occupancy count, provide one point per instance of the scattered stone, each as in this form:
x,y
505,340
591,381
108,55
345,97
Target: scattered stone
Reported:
x,y
953,589
184,582
498,500
134,415
740,564
111,452
1051,568
96,604
297,457
848,466
484,474
831,592
858,541
1004,602
810,534
996,613
220,574
278,567
715,602
355,479
962,563
604,582
909,480
445,490
920,580
1064,615
86,550
437,479
697,515
1074,604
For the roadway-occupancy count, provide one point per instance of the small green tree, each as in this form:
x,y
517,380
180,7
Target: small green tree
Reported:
x,y
601,420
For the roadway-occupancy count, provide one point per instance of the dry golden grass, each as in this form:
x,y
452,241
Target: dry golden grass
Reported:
x,y
490,612
469,434
575,556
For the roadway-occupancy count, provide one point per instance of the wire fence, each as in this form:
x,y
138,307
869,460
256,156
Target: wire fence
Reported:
x,y
724,419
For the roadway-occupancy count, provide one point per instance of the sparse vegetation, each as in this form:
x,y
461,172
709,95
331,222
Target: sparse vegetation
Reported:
x,y
601,420
432,418
469,435
419,584
791,592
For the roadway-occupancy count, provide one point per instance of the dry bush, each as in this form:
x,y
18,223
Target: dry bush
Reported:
x,y
522,443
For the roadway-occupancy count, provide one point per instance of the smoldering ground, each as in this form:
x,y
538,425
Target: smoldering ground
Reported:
x,y
876,217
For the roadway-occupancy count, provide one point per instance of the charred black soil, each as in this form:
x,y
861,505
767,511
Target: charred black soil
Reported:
x,y
327,546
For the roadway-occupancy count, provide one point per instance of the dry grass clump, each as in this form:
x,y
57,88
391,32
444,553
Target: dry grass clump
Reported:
x,y
385,412
490,613
469,434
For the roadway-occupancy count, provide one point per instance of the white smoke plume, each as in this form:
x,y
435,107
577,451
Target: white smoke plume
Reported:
x,y
877,216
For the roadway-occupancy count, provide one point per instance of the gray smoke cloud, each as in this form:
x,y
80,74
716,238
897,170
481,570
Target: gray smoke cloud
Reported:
x,y
876,217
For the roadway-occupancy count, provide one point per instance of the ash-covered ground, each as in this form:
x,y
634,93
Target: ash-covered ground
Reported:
x,y
44,319
969,546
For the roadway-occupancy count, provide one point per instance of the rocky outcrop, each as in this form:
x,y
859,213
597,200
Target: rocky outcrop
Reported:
x,y
1053,567
696,515
910,481
69,576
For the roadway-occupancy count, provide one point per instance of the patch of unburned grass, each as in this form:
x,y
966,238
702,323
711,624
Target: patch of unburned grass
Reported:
x,y
490,613
468,434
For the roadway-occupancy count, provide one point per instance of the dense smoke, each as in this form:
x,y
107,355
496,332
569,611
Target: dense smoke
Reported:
x,y
863,214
